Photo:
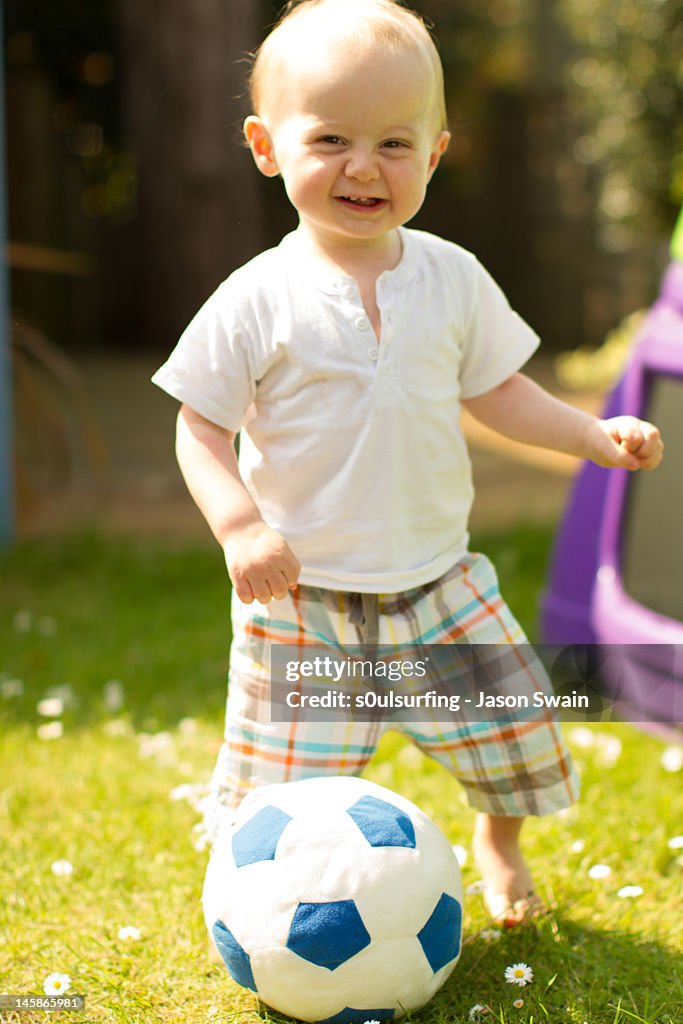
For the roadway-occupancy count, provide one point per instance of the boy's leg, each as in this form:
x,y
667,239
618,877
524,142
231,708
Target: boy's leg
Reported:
x,y
510,769
258,751
509,894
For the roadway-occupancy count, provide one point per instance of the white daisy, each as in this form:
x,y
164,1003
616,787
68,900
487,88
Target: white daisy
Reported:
x,y
11,688
478,1011
114,695
610,748
581,736
62,868
629,891
56,984
577,846
519,974
675,843
117,727
599,871
518,1004
129,933
51,707
672,759
50,731
490,934
23,621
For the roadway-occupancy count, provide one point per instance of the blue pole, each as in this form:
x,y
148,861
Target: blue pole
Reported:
x,y
6,446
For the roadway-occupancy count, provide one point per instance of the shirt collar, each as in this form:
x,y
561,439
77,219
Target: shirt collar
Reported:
x,y
327,280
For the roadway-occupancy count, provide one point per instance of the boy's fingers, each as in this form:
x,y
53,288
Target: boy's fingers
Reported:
x,y
279,586
244,592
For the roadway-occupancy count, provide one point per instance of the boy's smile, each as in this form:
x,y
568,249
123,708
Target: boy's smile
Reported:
x,y
354,134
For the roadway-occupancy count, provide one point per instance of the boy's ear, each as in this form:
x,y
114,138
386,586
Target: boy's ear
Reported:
x,y
261,146
440,147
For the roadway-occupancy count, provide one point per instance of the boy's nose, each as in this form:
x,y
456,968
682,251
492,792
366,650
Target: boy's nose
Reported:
x,y
362,166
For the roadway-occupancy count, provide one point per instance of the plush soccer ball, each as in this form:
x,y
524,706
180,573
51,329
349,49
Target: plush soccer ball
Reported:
x,y
335,900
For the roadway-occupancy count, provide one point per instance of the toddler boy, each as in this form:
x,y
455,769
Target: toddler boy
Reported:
x,y
343,357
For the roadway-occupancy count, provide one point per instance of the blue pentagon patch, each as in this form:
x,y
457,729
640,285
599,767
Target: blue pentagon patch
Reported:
x,y
257,839
382,823
350,1016
236,958
327,934
440,937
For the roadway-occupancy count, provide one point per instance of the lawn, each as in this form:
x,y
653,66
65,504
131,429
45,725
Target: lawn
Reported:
x,y
129,641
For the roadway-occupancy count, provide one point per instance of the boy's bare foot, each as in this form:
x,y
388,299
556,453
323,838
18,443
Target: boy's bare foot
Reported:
x,y
509,889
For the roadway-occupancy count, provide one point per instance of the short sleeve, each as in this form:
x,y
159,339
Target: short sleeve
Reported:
x,y
496,341
210,368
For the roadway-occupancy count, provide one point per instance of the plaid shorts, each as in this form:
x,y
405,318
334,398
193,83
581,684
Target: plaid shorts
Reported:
x,y
512,768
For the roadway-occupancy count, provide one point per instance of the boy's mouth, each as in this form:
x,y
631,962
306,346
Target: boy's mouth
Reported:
x,y
364,202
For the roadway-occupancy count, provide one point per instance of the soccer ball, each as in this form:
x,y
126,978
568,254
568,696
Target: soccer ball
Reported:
x,y
335,900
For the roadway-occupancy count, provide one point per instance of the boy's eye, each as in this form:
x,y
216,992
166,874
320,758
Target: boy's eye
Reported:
x,y
394,144
332,140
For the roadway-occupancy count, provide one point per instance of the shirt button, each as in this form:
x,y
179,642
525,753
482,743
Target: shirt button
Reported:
x,y
362,324
373,353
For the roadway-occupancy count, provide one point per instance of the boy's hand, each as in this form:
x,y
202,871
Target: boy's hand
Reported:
x,y
261,564
626,442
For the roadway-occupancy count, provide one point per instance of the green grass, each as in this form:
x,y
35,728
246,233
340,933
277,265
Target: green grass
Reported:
x,y
84,612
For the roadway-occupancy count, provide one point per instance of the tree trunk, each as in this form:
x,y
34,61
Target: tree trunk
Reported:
x,y
199,211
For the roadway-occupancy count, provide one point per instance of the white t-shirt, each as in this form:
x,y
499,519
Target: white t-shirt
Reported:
x,y
352,449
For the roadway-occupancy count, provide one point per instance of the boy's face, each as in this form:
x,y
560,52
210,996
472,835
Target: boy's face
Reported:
x,y
355,137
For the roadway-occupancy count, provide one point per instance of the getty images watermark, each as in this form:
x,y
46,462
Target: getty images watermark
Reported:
x,y
478,682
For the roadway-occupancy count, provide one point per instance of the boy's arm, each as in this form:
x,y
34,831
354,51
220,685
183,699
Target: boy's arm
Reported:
x,y
260,562
522,410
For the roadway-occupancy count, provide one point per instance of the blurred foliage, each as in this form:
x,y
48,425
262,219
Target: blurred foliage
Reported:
x,y
618,61
74,44
599,369
627,78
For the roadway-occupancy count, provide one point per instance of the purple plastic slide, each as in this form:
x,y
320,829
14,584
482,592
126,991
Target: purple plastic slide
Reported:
x,y
616,574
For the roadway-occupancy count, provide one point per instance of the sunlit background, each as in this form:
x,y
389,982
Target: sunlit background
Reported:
x,y
131,196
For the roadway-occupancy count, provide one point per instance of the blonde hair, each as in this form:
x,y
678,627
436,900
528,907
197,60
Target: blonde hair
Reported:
x,y
386,22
